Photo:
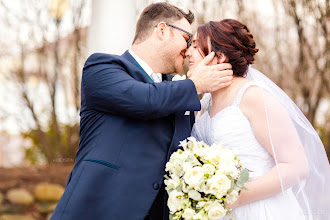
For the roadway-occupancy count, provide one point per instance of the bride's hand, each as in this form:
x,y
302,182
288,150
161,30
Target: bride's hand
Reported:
x,y
233,205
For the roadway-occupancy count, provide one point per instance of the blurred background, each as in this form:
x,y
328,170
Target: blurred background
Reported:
x,y
44,44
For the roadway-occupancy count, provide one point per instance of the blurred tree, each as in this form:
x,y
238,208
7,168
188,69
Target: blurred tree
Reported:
x,y
294,52
309,59
48,74
311,73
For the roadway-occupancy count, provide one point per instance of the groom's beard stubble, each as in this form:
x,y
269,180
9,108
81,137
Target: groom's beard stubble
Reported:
x,y
168,64
172,63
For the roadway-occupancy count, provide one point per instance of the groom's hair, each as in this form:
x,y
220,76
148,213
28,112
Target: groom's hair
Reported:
x,y
155,13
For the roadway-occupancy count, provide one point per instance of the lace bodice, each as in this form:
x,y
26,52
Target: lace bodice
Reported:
x,y
234,131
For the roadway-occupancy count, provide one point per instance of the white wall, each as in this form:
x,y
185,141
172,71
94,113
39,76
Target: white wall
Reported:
x,y
112,26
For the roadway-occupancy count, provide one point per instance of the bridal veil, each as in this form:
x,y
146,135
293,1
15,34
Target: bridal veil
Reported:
x,y
293,138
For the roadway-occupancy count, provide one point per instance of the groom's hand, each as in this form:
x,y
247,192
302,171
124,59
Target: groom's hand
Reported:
x,y
211,78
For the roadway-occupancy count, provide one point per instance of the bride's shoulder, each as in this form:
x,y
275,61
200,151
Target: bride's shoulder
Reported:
x,y
252,99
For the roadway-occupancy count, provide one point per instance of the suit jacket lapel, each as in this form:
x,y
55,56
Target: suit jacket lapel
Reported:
x,y
165,77
131,59
142,70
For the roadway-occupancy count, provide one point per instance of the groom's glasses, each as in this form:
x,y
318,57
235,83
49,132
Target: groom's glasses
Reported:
x,y
190,35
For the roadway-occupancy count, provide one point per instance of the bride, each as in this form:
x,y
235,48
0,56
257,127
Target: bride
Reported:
x,y
272,138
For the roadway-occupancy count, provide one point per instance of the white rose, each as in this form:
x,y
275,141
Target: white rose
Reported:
x,y
201,215
208,169
201,153
227,154
203,204
179,156
219,184
194,177
172,183
183,144
193,160
175,168
228,167
232,197
188,213
193,139
203,187
175,201
193,194
177,77
186,166
169,166
192,142
216,211
213,155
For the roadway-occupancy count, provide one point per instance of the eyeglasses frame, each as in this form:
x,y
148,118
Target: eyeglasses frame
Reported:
x,y
190,34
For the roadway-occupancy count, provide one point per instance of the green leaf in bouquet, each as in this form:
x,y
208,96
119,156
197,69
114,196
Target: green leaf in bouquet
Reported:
x,y
178,215
172,216
243,178
232,185
167,177
199,160
180,151
237,188
245,188
231,217
193,203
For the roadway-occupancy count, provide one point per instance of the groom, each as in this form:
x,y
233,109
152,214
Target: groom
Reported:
x,y
132,119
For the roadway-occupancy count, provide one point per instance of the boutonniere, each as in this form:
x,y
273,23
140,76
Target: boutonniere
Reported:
x,y
177,77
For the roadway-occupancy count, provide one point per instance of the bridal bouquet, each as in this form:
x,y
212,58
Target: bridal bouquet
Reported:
x,y
202,179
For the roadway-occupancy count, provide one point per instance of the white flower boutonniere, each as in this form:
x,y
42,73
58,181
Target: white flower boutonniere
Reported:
x,y
177,77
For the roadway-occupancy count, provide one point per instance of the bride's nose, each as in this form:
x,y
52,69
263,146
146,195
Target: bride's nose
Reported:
x,y
188,52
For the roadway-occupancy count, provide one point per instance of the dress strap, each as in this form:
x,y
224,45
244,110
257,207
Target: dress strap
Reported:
x,y
241,92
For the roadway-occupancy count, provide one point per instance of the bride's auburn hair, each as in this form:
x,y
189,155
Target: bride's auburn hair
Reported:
x,y
231,38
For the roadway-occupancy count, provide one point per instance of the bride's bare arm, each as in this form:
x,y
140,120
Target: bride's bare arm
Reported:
x,y
274,129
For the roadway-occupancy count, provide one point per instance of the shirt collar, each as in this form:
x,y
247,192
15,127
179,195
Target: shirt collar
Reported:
x,y
143,64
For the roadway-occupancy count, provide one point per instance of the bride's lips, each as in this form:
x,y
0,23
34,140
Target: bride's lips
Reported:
x,y
190,64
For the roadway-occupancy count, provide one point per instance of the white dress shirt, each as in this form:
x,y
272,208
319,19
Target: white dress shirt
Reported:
x,y
146,67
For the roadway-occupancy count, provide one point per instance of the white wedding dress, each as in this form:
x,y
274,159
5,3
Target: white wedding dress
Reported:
x,y
234,131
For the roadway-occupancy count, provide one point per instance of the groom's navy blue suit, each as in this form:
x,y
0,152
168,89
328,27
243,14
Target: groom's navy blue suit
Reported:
x,y
129,127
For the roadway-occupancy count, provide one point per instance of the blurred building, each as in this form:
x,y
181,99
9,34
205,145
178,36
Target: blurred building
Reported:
x,y
112,26
12,150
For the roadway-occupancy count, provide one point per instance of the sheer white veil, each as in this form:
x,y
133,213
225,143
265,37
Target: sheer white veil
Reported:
x,y
292,136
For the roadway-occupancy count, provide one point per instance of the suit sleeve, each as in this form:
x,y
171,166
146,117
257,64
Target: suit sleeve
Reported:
x,y
108,88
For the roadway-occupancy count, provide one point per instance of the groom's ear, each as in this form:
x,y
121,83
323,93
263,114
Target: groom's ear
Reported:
x,y
160,29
